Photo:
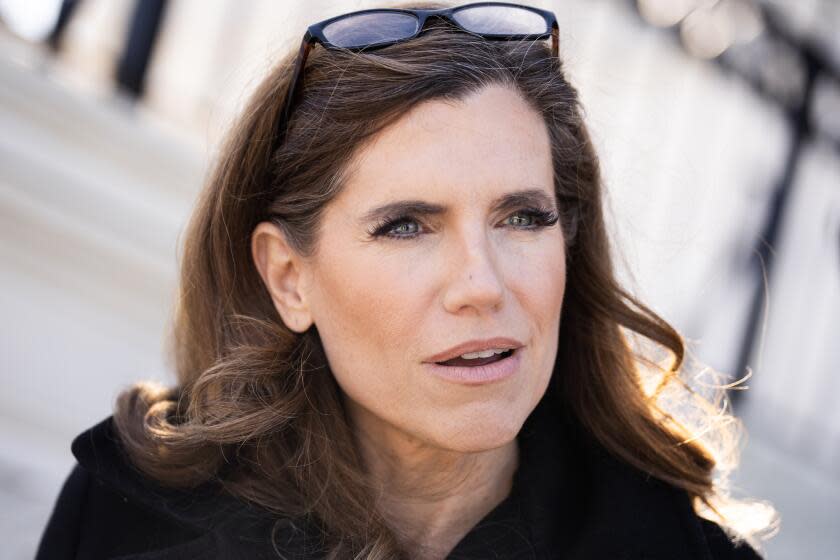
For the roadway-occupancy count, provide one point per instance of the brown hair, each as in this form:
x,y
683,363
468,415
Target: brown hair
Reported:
x,y
257,400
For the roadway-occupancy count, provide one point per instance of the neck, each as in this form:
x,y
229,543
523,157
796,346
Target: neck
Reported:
x,y
432,497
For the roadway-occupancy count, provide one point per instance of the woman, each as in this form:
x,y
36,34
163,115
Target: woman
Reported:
x,y
399,333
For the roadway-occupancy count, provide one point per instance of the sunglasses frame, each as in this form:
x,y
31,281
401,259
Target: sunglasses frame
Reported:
x,y
315,34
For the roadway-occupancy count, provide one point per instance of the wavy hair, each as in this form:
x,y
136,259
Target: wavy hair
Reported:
x,y
256,406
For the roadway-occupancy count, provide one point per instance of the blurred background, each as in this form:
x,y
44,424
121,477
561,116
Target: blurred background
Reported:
x,y
718,125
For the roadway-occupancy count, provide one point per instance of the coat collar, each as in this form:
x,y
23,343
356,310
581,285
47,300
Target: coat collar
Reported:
x,y
568,495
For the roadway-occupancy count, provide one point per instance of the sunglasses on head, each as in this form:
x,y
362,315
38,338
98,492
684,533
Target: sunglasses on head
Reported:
x,y
380,27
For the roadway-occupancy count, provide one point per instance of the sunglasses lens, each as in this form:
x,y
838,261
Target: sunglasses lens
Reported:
x,y
501,20
370,29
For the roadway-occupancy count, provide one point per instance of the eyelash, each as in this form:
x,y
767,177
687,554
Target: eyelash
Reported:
x,y
543,217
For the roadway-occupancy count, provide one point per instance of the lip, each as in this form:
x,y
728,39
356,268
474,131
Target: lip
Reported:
x,y
478,375
475,346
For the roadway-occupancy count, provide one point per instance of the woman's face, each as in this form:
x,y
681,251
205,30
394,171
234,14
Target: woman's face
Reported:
x,y
384,305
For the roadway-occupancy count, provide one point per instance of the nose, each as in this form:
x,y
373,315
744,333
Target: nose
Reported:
x,y
475,279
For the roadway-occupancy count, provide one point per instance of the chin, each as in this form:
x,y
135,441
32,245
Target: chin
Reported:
x,y
480,433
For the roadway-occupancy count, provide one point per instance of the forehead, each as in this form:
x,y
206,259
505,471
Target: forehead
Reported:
x,y
488,142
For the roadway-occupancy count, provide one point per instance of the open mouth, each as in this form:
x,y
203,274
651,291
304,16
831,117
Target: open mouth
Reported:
x,y
462,362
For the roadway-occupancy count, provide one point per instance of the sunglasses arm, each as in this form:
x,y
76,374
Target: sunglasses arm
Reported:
x,y
300,61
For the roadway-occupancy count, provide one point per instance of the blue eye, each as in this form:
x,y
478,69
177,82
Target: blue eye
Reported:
x,y
520,214
395,228
400,227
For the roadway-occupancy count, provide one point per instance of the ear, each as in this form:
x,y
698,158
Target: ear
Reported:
x,y
282,273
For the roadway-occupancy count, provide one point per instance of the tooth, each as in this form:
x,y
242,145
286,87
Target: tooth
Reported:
x,y
482,354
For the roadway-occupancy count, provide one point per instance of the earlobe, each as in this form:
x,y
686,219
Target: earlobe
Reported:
x,y
281,273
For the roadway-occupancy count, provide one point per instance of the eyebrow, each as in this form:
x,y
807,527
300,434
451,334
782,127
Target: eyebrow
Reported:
x,y
508,201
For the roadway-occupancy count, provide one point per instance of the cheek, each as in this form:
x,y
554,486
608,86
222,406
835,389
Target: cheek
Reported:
x,y
539,287
367,311
537,277
370,303
553,285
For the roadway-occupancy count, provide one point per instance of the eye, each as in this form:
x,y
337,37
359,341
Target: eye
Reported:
x,y
540,217
406,227
396,228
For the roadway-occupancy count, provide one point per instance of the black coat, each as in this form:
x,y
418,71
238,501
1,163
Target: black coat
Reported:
x,y
570,500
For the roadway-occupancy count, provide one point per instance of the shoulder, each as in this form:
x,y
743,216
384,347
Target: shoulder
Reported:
x,y
724,548
59,538
97,513
106,507
648,518
91,519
